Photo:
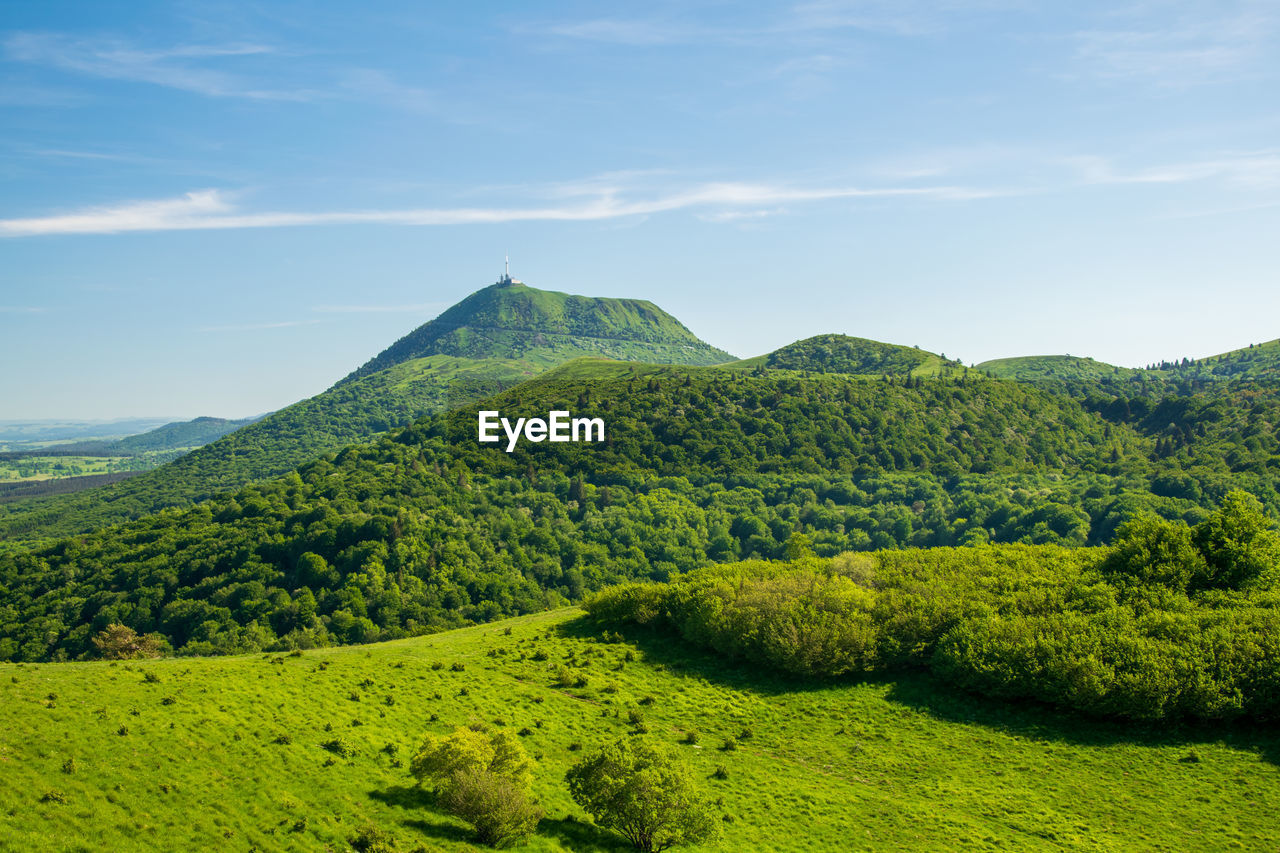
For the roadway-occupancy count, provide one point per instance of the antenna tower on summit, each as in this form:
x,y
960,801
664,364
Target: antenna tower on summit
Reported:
x,y
506,273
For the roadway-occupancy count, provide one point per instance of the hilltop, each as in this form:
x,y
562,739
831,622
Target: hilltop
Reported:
x,y
852,356
493,339
1038,368
513,320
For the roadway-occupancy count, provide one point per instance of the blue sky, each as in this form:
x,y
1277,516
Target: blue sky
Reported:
x,y
222,207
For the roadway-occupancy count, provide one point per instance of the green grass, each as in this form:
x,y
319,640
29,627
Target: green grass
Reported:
x,y
36,468
873,765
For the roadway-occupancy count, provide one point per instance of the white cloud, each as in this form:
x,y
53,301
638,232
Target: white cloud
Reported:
x,y
1243,170
182,67
738,215
1176,43
20,309
210,209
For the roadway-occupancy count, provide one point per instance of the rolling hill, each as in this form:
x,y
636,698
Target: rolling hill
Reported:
x,y
853,356
1055,368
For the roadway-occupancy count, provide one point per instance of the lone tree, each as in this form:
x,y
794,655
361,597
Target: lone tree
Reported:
x,y
632,788
482,777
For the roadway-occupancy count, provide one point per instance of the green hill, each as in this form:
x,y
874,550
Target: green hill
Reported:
x,y
1254,362
513,320
1041,368
229,753
854,356
176,436
493,339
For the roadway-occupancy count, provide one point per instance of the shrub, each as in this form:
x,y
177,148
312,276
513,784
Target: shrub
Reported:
x,y
498,806
482,777
340,747
640,792
371,839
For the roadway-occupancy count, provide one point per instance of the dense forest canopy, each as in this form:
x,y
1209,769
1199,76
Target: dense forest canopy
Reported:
x,y
426,528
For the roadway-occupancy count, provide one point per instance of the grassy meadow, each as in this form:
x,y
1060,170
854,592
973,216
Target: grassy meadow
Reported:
x,y
299,751
36,468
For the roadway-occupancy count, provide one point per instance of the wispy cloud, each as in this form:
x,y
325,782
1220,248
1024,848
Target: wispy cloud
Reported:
x,y
1176,43
253,327
379,309
211,209
20,309
1244,170
184,67
800,20
629,31
739,215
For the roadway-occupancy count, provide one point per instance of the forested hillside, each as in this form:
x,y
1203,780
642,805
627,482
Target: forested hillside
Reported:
x,y
426,528
343,415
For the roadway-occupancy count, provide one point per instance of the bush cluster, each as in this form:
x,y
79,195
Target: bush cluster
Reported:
x,y
1170,622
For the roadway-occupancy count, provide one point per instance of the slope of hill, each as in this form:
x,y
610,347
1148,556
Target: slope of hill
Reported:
x,y
230,753
494,338
345,414
511,320
1255,362
176,436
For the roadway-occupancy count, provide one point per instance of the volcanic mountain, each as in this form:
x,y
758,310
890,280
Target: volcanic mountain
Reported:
x,y
497,337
